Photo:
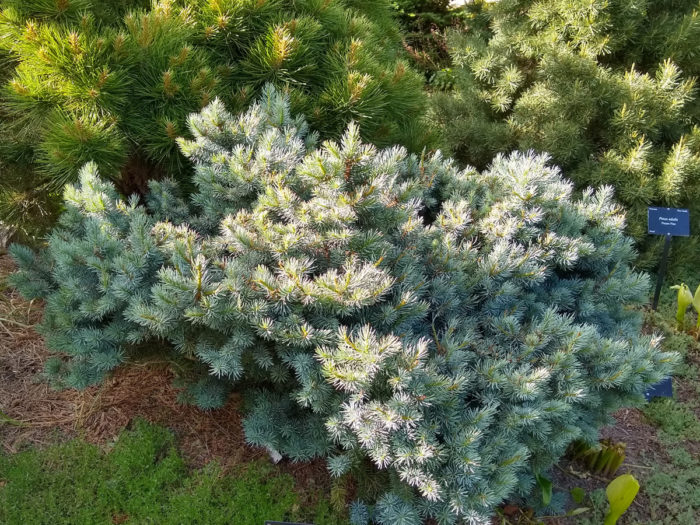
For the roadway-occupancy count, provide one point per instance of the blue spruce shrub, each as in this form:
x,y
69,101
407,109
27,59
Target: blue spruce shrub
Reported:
x,y
99,257
458,329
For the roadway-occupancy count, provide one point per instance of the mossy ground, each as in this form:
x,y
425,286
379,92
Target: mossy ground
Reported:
x,y
142,478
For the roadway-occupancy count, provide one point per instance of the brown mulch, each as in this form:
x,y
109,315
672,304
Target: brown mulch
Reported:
x,y
98,414
639,435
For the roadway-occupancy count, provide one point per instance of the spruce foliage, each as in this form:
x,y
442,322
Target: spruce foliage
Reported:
x,y
113,82
458,329
606,87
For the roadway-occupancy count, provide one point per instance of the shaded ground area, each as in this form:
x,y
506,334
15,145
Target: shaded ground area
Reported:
x,y
98,414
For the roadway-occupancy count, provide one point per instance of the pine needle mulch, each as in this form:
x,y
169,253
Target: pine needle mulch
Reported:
x,y
32,413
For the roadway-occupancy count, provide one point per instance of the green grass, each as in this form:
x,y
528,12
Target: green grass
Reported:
x,y
143,480
675,420
674,490
672,486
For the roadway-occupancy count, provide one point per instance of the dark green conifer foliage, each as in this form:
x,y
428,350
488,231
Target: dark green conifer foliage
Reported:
x,y
455,328
424,23
604,86
113,82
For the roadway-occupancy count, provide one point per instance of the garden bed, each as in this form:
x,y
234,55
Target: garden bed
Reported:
x,y
144,390
43,416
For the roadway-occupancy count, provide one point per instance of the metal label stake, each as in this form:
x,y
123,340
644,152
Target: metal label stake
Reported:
x,y
669,222
662,271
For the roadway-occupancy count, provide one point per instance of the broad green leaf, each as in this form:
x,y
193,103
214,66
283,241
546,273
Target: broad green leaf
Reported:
x,y
621,493
696,303
684,300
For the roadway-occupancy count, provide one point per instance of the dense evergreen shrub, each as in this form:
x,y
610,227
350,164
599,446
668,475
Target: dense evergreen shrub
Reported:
x,y
113,82
458,329
604,86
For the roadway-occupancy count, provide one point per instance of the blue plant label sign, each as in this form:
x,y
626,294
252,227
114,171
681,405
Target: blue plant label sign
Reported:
x,y
669,221
661,389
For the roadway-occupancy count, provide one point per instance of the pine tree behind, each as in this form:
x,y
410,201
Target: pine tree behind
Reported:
x,y
455,328
605,87
113,82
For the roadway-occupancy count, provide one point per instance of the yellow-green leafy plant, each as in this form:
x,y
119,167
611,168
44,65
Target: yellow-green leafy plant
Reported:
x,y
621,493
686,299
